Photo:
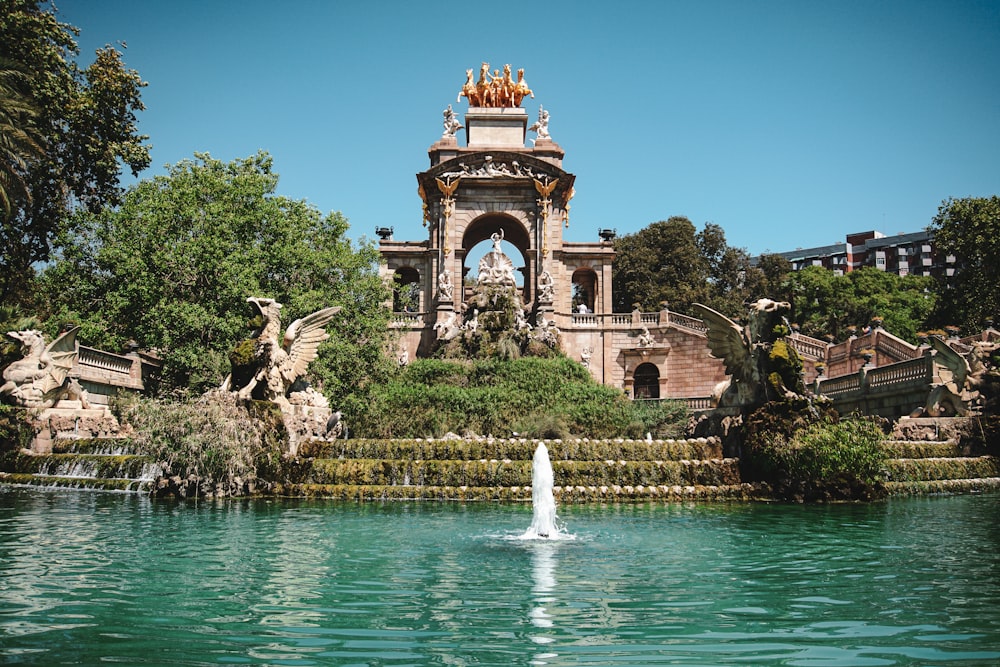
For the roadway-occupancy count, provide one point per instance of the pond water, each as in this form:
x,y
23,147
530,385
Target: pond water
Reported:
x,y
87,578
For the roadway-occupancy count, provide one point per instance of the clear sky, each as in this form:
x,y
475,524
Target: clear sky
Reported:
x,y
787,123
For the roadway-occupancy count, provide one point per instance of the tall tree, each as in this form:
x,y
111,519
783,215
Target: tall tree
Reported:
x,y
86,121
969,229
670,261
732,280
769,277
661,262
172,268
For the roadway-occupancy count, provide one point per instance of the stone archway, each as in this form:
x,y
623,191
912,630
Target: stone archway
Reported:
x,y
483,227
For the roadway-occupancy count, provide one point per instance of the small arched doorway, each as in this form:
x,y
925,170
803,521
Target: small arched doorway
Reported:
x,y
646,381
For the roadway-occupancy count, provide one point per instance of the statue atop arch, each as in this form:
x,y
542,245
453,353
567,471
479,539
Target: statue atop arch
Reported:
x,y
496,90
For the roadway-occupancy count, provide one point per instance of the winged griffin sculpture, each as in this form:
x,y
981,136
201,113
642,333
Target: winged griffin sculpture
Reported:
x,y
745,352
280,362
41,378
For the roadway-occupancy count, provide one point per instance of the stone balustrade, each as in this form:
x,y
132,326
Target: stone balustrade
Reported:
x,y
810,348
893,390
104,373
919,370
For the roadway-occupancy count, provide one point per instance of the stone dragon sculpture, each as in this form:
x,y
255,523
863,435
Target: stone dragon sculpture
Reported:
x,y
41,378
746,354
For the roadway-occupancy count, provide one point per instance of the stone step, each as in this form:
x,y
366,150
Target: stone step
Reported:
x,y
920,449
563,494
506,473
943,468
76,466
977,485
92,483
105,446
515,449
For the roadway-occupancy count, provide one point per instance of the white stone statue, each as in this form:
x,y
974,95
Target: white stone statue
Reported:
x,y
449,328
280,365
645,338
959,393
495,268
472,324
585,356
541,126
451,123
335,426
521,322
445,288
546,332
546,286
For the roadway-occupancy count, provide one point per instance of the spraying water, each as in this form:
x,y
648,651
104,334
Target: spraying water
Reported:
x,y
543,520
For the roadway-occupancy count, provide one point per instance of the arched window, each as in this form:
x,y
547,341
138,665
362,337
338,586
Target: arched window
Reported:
x,y
406,290
646,381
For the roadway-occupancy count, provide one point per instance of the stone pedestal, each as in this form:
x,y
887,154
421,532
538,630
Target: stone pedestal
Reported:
x,y
305,422
496,128
72,424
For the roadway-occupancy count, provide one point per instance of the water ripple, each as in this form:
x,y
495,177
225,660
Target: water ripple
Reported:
x,y
88,578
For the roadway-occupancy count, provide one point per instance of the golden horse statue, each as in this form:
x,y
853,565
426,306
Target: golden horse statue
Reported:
x,y
521,89
469,91
496,90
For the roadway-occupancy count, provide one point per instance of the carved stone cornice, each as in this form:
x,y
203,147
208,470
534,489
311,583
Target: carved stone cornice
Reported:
x,y
506,168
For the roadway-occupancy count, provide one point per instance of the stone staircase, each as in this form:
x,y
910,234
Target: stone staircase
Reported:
x,y
614,470
103,464
939,466
499,469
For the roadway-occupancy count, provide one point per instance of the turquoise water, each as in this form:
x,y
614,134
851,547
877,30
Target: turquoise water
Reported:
x,y
90,578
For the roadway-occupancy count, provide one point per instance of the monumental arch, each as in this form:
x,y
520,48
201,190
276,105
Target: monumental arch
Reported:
x,y
496,185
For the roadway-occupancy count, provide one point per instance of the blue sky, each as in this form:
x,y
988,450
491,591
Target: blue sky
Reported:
x,y
787,123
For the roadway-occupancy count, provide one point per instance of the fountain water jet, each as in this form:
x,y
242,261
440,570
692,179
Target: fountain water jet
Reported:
x,y
543,521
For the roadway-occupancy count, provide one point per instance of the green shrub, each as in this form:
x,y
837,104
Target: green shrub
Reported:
x,y
530,395
15,430
224,447
824,460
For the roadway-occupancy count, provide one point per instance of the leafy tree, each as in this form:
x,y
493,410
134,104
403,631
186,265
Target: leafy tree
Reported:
x,y
732,281
671,261
661,262
85,119
768,278
969,229
173,266
826,303
19,142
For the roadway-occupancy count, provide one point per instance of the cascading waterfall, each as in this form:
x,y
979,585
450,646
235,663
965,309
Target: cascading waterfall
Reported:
x,y
544,523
